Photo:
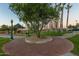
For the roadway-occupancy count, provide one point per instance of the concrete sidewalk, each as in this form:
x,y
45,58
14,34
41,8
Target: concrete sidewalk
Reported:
x,y
69,54
8,36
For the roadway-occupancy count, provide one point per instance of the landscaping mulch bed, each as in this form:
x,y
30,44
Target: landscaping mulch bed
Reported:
x,y
58,46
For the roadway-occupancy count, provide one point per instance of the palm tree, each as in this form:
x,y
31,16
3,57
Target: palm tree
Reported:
x,y
68,8
62,11
56,19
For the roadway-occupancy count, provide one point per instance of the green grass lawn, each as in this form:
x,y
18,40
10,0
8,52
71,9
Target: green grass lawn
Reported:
x,y
75,41
48,33
2,42
52,33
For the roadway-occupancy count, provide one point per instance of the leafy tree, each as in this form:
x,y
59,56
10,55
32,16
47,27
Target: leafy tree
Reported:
x,y
4,27
70,26
34,15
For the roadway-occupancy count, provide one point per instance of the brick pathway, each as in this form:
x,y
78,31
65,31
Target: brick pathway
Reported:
x,y
58,46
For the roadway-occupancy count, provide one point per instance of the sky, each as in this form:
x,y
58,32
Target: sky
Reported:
x,y
6,15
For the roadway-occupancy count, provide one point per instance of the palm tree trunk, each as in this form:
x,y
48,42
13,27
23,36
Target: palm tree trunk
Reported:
x,y
61,21
67,18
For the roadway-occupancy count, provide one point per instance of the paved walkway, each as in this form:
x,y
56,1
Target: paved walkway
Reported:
x,y
58,46
69,54
68,35
8,36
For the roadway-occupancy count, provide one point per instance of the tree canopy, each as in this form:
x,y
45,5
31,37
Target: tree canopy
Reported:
x,y
4,27
34,15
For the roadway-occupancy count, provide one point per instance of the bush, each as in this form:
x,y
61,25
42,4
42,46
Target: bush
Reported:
x,y
3,32
75,29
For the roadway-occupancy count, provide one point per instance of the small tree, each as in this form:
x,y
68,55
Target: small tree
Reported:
x,y
35,16
4,28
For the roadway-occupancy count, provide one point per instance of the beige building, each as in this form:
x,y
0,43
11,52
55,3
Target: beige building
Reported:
x,y
50,25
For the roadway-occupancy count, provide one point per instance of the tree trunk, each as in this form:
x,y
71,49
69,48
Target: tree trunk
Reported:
x,y
67,18
38,34
61,21
56,26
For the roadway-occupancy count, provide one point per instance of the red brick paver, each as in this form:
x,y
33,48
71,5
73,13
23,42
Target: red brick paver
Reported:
x,y
58,46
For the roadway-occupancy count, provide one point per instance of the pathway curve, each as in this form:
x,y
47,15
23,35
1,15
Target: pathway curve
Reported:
x,y
8,36
68,35
58,46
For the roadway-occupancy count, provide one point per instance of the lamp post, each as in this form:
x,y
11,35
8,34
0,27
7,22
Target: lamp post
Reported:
x,y
11,29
